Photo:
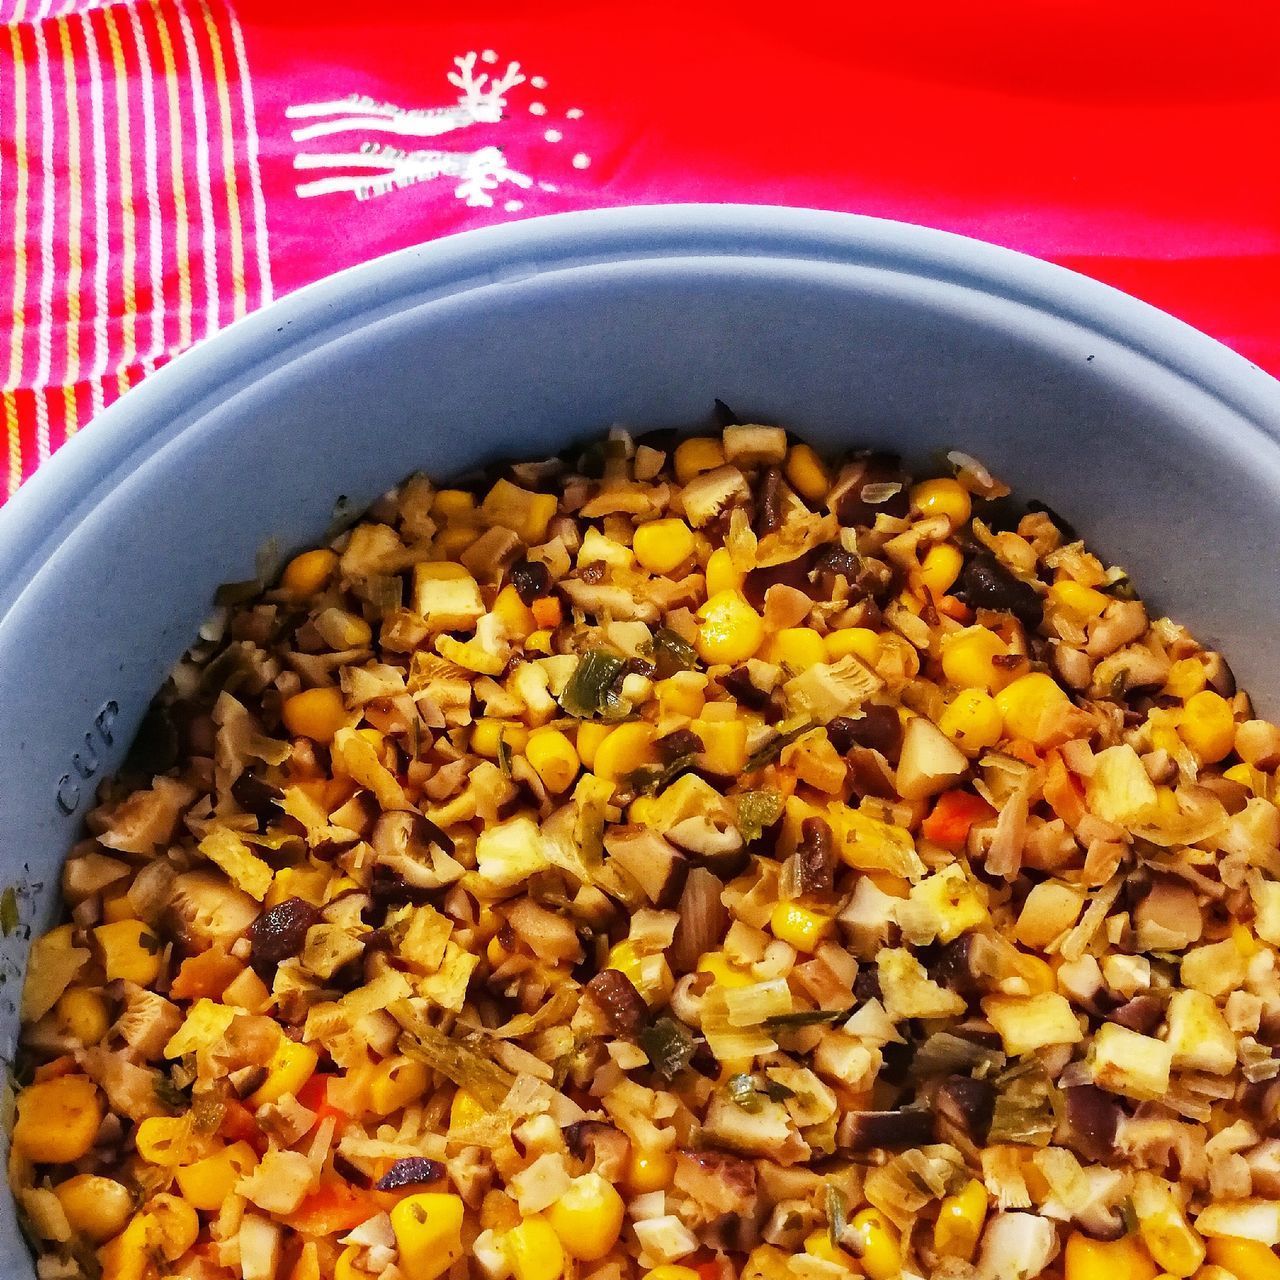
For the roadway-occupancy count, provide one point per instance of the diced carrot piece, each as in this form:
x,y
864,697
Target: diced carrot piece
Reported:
x,y
951,817
547,612
206,974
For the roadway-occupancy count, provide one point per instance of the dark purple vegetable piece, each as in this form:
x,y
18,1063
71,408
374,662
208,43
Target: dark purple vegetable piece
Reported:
x,y
967,1105
622,1005
677,745
1142,1014
860,1131
531,579
279,933
986,584
738,683
877,728
412,1171
851,508
769,502
791,573
958,967
1092,1117
815,857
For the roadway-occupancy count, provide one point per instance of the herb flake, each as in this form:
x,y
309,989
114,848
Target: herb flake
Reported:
x,y
669,1045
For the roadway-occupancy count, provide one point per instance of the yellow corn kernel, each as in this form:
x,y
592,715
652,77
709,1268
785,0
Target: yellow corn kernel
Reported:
x,y
1246,1259
724,973
722,573
453,504
959,1224
307,883
117,908
163,1140
309,572
486,733
646,811
966,659
341,629
1028,704
1246,943
470,654
345,1268
767,1262
817,1244
553,758
671,1271
798,647
315,713
1208,726
1037,973
465,1111
533,1250
206,1184
696,455
58,1119
1123,1259
130,951
516,616
972,721
454,539
662,545
649,974
288,1069
940,568
1249,777
428,1231
861,642
173,1227
1186,678
1171,1241
649,1169
395,1083
881,1252
538,642
587,1218
731,629
591,733
682,694
943,497
82,1015
1078,600
626,748
724,745
128,1256
806,473
799,926
97,1208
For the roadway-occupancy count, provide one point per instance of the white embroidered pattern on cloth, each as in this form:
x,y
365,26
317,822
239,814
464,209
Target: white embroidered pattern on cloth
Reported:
x,y
482,99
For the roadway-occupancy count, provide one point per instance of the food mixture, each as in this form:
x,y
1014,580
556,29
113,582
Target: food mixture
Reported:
x,y
681,861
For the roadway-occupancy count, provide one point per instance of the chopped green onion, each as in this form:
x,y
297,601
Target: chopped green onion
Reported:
x,y
757,810
504,755
742,1092
808,1018
591,690
837,1213
672,653
773,748
669,1046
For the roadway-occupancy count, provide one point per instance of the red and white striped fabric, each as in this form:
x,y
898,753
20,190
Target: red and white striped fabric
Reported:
x,y
163,162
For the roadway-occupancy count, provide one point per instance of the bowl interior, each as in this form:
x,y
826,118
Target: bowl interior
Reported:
x,y
516,344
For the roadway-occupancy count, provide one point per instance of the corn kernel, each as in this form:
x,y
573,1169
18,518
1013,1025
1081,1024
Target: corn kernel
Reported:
x,y
345,1268
696,455
533,1250
672,1271
806,473
966,659
940,568
162,1140
117,908
538,641
97,1208
173,1225
428,1231
861,642
82,1015
58,1119
649,974
309,572
1208,726
959,1224
682,694
553,758
972,721
881,1249
817,1244
128,1256
1186,678
627,747
662,545
943,497
130,951
1030,705
1171,1241
798,647
465,1111
454,539
316,713
722,573
395,1083
724,745
731,629
487,733
591,733
342,629
1123,1259
724,973
1078,600
516,616
1246,1259
206,1184
799,926
649,1170
288,1069
767,1262
587,1218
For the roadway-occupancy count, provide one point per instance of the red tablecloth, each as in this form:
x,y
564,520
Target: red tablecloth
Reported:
x,y
168,165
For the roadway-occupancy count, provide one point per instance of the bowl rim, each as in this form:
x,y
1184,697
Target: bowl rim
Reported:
x,y
48,506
